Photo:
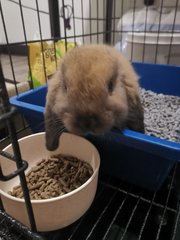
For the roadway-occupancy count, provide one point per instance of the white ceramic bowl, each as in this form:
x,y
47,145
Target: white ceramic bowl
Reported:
x,y
58,212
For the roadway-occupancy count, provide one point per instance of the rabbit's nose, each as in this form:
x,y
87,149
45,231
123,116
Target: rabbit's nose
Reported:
x,y
88,122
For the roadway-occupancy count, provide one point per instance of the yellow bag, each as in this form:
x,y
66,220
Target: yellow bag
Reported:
x,y
44,67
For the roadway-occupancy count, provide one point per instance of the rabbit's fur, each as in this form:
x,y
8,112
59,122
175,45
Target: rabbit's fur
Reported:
x,y
94,89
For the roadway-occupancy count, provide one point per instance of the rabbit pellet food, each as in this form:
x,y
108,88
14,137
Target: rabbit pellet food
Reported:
x,y
54,177
161,115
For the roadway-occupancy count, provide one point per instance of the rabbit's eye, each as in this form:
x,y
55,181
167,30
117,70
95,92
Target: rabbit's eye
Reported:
x,y
110,86
112,82
64,86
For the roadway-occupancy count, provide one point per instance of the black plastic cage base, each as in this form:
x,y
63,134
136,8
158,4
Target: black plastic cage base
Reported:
x,y
120,211
12,229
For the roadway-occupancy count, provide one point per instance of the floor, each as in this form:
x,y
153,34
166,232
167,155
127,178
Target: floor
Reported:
x,y
16,79
20,66
16,82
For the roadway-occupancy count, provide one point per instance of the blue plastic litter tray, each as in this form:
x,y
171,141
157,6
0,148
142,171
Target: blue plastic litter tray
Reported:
x,y
134,157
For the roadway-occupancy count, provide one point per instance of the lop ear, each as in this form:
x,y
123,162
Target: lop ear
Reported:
x,y
53,129
50,126
136,112
135,119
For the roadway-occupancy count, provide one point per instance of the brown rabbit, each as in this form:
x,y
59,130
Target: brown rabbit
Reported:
x,y
94,90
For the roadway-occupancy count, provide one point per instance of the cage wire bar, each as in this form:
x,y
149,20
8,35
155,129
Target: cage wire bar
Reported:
x,y
54,18
120,211
7,115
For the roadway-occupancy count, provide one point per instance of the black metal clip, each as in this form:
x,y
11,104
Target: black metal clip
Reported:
x,y
16,172
66,14
7,115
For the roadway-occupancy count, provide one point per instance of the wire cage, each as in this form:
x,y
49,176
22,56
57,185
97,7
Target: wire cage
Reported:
x,y
144,31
